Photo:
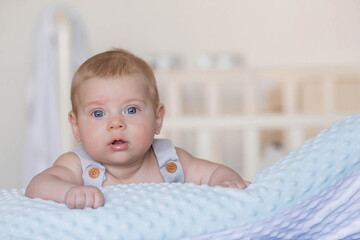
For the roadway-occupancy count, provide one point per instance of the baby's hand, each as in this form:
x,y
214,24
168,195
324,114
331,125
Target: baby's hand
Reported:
x,y
83,197
236,184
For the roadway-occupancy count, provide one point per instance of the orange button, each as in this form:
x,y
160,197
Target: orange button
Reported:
x,y
94,172
171,167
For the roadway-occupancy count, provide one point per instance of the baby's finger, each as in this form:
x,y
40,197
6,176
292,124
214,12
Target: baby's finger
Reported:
x,y
98,200
225,184
80,200
89,200
70,199
241,185
70,202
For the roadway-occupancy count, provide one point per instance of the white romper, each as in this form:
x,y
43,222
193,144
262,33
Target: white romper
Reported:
x,y
170,167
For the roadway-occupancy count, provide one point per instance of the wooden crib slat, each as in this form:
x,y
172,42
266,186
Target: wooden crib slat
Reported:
x,y
64,79
249,93
174,95
212,98
329,94
251,147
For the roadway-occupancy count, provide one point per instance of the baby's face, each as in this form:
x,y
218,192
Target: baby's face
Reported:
x,y
116,120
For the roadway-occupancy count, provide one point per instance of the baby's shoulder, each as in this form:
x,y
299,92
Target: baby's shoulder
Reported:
x,y
68,159
183,155
67,167
188,160
196,170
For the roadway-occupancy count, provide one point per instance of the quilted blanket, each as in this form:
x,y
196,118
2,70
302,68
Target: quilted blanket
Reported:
x,y
313,193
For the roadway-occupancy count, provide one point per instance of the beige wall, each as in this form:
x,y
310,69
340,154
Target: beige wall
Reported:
x,y
267,33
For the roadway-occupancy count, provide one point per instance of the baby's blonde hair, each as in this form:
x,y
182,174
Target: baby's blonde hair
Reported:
x,y
110,64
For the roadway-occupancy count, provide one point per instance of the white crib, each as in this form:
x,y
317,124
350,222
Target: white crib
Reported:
x,y
233,117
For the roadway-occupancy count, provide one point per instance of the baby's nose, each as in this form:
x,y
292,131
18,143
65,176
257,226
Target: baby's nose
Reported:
x,y
116,122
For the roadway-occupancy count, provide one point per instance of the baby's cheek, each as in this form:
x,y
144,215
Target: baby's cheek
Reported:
x,y
145,142
91,132
143,134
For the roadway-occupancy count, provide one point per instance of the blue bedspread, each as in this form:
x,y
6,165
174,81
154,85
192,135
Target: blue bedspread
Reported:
x,y
313,193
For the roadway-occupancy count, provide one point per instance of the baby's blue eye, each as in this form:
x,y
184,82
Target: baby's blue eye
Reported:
x,y
98,113
131,110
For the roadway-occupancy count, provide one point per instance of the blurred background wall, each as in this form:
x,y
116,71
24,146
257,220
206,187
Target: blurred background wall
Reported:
x,y
263,33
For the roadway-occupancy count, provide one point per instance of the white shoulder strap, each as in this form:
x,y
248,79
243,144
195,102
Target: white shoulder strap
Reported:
x,y
93,171
170,166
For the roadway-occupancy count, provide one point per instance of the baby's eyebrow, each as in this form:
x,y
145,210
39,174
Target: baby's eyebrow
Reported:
x,y
128,101
93,103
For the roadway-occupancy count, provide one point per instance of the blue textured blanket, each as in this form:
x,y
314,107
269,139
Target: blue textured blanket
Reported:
x,y
313,193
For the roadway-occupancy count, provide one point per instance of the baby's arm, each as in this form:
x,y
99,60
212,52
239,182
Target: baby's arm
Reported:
x,y
201,171
63,183
226,177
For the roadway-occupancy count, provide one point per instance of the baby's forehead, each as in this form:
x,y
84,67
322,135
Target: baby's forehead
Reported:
x,y
129,85
133,81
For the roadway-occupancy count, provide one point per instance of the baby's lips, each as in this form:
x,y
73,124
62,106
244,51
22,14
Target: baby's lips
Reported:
x,y
118,145
117,141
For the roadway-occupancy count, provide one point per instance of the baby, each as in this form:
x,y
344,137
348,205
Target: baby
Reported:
x,y
115,115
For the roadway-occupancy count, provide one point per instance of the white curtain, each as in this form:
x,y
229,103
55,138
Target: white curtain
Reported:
x,y
43,136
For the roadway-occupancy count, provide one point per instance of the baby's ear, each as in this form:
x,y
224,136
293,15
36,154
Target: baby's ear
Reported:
x,y
74,125
160,113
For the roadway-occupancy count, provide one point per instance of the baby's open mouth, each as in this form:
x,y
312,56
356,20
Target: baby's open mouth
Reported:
x,y
117,142
118,145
